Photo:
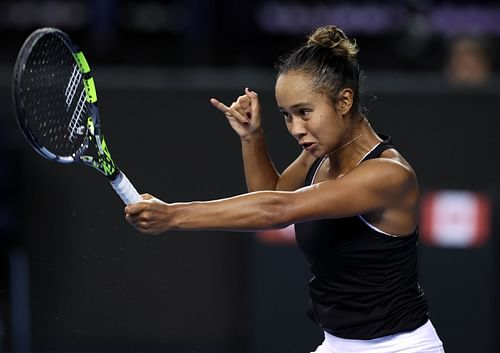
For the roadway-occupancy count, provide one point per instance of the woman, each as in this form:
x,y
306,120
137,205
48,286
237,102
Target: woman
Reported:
x,y
351,195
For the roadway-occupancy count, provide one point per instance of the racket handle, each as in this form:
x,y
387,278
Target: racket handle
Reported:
x,y
125,189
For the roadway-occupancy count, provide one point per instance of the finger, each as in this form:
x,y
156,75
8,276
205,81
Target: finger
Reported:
x,y
134,208
138,224
254,98
240,117
142,225
255,104
219,105
245,102
243,110
130,219
250,93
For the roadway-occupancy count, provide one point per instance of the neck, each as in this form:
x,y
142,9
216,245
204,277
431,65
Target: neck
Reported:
x,y
346,157
343,146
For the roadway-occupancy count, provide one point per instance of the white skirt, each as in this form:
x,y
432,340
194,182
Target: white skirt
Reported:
x,y
421,340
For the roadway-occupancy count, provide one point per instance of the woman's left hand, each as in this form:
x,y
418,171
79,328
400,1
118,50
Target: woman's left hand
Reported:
x,y
149,216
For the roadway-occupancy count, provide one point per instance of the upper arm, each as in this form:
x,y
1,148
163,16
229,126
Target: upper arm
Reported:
x,y
294,176
375,185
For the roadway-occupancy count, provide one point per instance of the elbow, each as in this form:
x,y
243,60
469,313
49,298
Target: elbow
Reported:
x,y
277,212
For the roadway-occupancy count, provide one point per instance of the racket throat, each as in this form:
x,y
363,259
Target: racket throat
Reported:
x,y
99,156
106,164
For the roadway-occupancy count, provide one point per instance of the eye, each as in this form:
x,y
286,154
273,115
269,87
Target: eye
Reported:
x,y
304,112
287,117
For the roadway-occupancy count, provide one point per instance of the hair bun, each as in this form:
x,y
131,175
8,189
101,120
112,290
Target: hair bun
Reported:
x,y
333,38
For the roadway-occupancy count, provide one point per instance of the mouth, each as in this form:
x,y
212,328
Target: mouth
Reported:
x,y
308,146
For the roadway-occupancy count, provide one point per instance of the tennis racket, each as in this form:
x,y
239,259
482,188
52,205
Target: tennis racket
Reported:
x,y
55,102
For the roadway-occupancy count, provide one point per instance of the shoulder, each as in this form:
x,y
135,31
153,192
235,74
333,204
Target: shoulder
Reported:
x,y
389,173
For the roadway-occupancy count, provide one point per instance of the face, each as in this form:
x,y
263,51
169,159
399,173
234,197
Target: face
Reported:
x,y
310,116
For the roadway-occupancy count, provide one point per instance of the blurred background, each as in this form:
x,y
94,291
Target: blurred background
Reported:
x,y
75,277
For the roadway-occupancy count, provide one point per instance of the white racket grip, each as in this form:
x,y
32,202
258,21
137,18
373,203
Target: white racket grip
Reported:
x,y
125,189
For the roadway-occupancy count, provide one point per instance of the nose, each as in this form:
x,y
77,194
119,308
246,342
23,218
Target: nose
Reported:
x,y
297,128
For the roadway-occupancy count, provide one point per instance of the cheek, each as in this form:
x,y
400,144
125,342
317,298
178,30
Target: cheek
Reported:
x,y
331,120
324,122
288,127
327,127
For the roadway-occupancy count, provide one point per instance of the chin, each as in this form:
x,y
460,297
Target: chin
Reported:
x,y
317,154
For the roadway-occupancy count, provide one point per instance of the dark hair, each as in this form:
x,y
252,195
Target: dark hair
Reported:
x,y
330,57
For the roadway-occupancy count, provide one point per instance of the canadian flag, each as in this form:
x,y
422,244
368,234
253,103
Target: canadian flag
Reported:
x,y
285,236
457,219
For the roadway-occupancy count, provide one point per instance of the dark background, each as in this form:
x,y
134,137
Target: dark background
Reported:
x,y
75,277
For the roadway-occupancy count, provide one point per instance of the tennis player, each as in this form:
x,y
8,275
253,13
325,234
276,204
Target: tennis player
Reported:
x,y
352,197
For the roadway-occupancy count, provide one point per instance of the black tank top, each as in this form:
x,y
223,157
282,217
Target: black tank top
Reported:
x,y
365,282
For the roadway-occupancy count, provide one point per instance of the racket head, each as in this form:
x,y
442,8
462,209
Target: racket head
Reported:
x,y
54,96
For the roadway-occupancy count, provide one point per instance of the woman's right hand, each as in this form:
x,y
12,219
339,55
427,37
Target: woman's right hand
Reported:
x,y
244,114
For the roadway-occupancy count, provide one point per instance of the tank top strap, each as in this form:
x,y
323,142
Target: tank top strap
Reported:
x,y
381,147
377,151
312,171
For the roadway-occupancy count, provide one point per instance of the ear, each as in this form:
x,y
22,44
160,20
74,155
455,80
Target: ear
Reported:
x,y
344,101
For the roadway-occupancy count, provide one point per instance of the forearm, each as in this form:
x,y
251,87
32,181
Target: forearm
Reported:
x,y
248,212
260,173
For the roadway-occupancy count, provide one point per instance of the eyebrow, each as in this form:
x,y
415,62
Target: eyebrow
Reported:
x,y
295,106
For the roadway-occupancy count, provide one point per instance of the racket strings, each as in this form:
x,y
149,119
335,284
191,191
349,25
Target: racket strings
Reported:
x,y
54,97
